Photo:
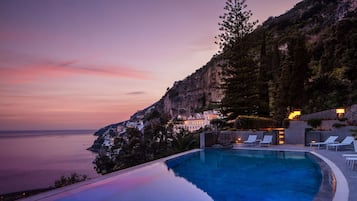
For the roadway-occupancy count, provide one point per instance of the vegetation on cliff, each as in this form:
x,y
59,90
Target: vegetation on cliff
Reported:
x,y
134,147
305,59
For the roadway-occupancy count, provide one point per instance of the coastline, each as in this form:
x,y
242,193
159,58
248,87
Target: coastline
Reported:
x,y
35,160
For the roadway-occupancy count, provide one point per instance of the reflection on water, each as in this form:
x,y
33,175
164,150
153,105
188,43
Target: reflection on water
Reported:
x,y
36,159
153,182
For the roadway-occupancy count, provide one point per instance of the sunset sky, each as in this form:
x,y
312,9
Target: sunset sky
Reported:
x,y
83,64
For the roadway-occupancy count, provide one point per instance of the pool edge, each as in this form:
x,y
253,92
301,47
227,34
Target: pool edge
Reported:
x,y
342,190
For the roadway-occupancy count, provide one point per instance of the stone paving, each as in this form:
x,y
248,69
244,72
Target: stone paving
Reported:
x,y
332,155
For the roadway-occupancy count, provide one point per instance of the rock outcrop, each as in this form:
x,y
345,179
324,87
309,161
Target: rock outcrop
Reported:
x,y
197,92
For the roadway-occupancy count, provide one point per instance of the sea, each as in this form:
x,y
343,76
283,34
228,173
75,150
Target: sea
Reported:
x,y
36,159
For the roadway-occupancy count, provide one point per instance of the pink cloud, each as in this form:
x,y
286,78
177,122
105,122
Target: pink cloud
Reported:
x,y
26,73
135,93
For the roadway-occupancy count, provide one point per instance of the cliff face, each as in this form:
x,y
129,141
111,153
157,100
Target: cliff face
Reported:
x,y
202,90
199,91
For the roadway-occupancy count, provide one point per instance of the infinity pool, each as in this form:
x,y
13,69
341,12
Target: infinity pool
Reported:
x,y
252,175
219,175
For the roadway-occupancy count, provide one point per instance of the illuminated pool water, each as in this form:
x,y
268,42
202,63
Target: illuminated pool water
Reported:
x,y
220,175
252,174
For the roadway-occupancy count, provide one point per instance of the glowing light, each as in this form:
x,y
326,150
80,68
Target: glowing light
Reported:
x,y
340,111
295,114
239,140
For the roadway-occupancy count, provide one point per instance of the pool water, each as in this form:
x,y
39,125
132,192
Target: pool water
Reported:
x,y
207,175
251,174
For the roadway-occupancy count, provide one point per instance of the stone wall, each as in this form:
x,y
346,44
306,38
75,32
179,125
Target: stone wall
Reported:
x,y
295,134
320,136
327,114
351,115
229,137
233,136
328,124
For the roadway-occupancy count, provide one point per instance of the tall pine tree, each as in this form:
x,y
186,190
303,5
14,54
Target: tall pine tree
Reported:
x,y
241,93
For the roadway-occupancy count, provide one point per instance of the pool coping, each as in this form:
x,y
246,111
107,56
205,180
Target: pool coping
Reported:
x,y
341,190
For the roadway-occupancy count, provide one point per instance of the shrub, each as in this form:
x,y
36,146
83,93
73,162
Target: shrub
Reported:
x,y
253,122
231,129
314,122
338,125
343,119
308,130
217,123
65,181
286,123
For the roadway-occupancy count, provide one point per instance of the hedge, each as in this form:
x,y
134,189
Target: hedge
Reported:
x,y
254,122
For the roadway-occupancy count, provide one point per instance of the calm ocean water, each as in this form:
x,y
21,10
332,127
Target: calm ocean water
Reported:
x,y
35,159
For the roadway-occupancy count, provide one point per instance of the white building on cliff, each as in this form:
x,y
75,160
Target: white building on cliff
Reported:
x,y
197,121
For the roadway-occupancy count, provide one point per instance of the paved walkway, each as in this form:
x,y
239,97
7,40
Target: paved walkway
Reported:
x,y
334,156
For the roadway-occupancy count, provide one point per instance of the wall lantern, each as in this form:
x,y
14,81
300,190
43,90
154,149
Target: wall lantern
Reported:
x,y
340,112
294,114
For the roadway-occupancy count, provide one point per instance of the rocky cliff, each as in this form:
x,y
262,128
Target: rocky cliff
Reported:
x,y
197,92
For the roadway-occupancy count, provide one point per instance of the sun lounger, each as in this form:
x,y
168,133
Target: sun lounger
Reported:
x,y
329,140
349,155
267,140
351,161
346,142
252,139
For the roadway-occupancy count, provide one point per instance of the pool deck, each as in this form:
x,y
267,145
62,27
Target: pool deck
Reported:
x,y
332,155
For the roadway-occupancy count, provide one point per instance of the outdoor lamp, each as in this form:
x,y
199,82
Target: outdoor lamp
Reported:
x,y
294,114
340,112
